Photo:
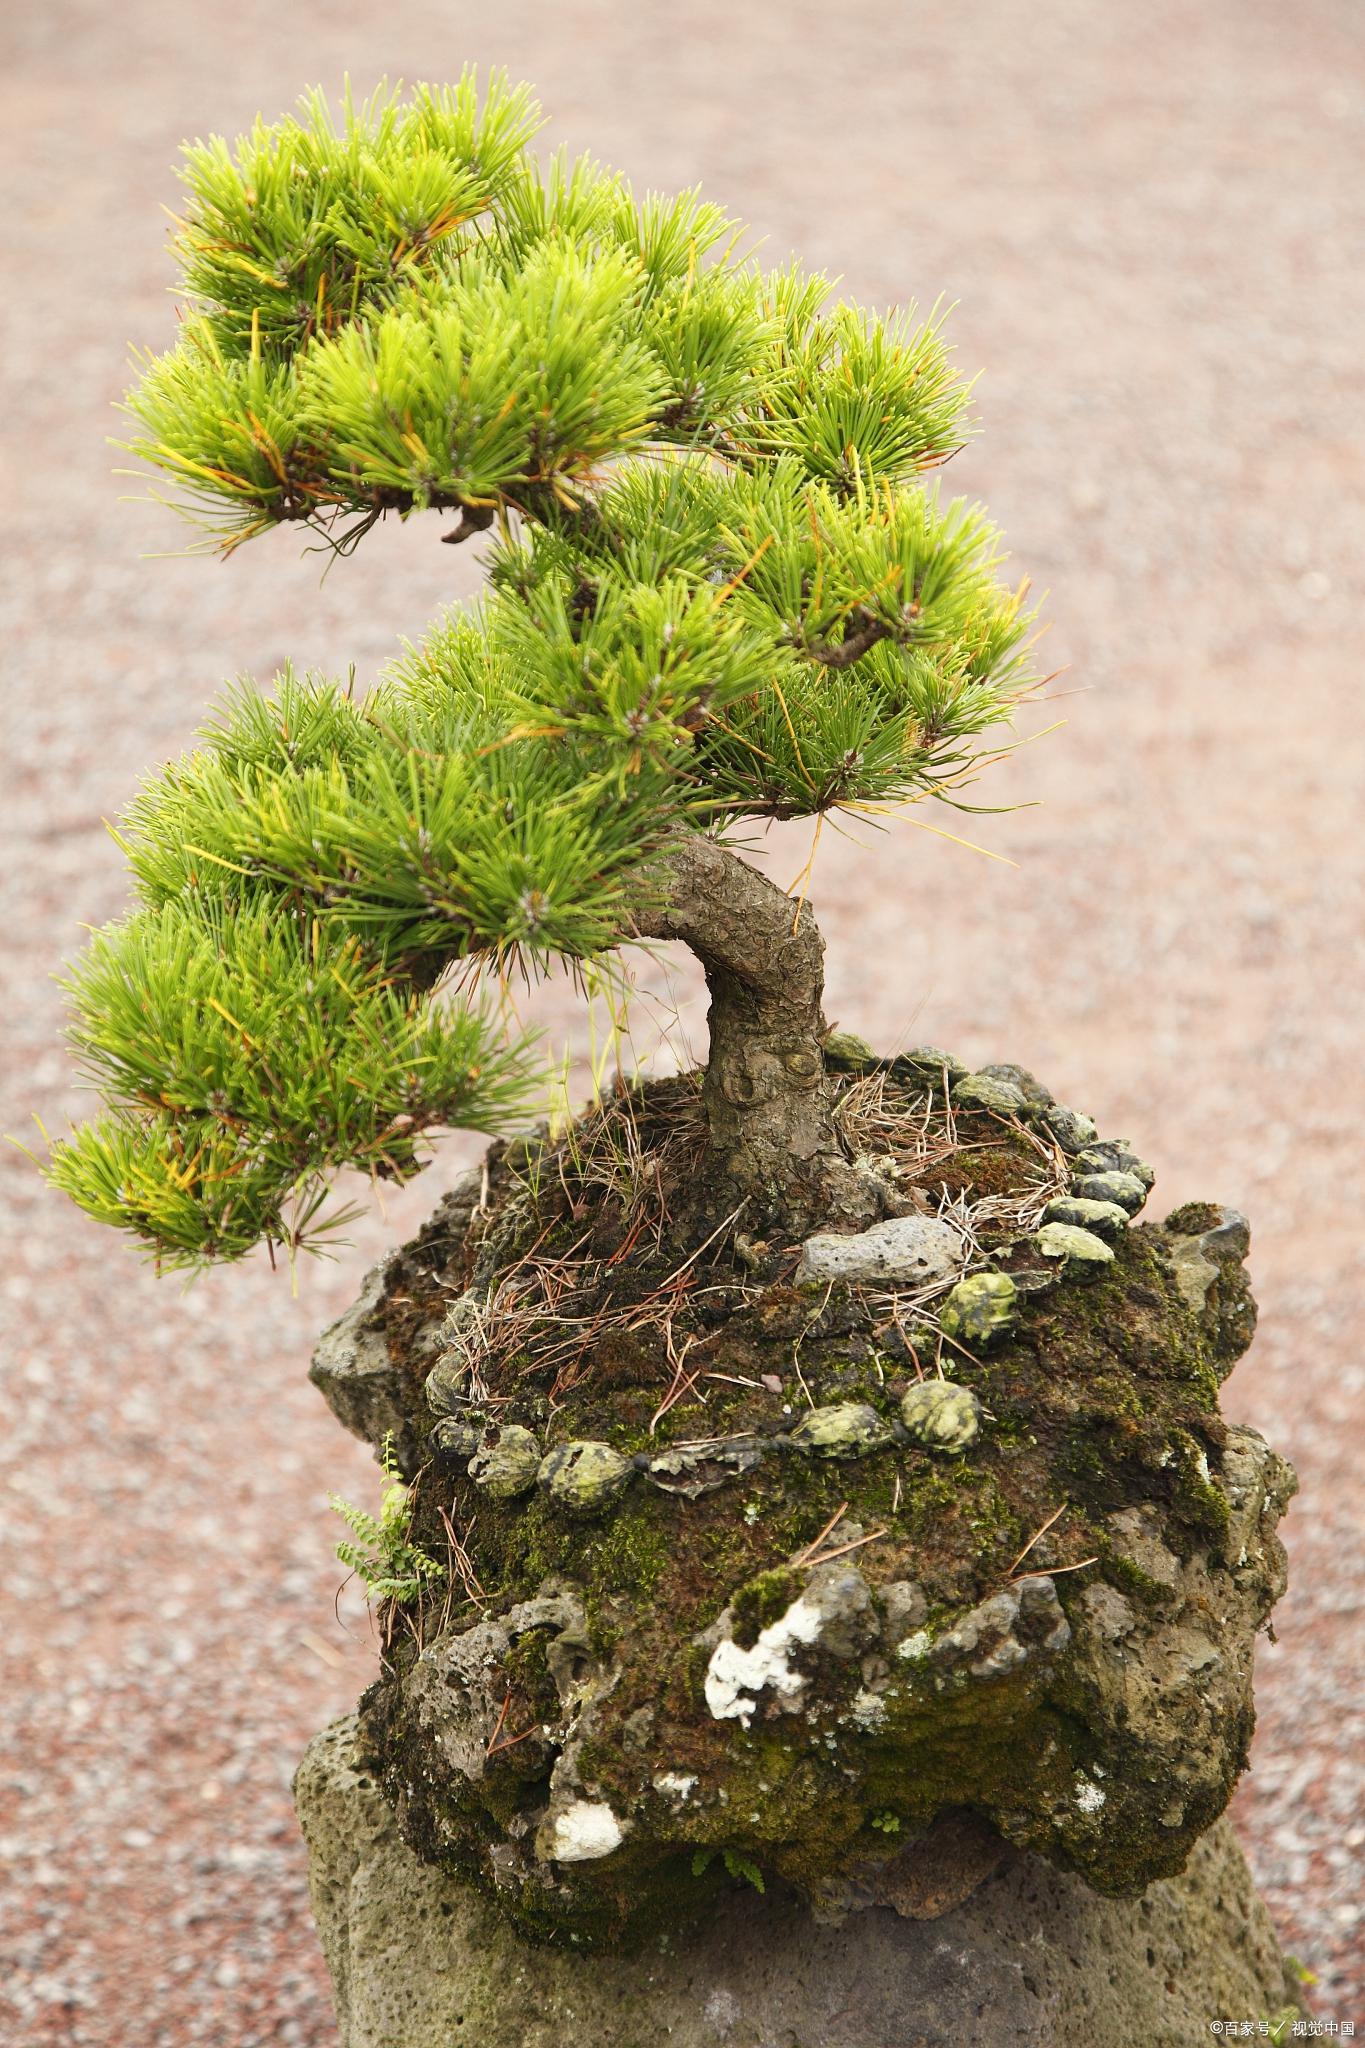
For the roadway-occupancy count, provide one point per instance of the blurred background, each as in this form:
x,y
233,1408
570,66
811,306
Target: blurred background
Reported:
x,y
1152,222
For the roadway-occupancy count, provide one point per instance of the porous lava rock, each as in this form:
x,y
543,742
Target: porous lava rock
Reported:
x,y
979,1946
791,1634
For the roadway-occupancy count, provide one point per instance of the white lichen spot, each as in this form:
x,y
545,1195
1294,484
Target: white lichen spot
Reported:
x,y
917,1645
869,1710
679,1785
584,1831
1090,1798
735,1677
723,2011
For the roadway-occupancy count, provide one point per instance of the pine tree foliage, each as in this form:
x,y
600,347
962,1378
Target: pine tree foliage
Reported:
x,y
720,586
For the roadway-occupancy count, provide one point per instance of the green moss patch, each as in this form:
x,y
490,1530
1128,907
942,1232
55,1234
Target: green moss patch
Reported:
x,y
1101,1397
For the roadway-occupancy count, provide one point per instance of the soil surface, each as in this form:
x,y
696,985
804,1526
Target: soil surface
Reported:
x,y
1152,226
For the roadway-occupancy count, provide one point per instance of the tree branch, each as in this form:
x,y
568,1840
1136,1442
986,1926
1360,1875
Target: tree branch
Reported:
x,y
843,653
473,519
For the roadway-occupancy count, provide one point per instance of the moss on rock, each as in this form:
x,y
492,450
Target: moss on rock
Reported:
x,y
816,1646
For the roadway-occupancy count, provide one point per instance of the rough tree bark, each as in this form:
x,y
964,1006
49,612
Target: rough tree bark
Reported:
x,y
768,1098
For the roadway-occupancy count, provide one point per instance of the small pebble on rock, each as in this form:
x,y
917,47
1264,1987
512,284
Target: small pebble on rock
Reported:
x,y
1124,1188
584,1477
1106,1219
980,1308
1072,1131
1079,1251
1029,1086
1112,1155
847,1429
447,1384
846,1049
457,1437
506,1462
933,1061
982,1091
941,1415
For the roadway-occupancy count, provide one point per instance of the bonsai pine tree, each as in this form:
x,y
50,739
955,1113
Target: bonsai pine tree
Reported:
x,y
720,590
624,1661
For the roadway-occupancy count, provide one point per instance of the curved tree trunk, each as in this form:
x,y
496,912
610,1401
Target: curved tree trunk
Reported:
x,y
768,1098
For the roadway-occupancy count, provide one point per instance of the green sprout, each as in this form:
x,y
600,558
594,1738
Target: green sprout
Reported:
x,y
391,1566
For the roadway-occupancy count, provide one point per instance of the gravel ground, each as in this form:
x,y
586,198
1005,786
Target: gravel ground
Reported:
x,y
1146,219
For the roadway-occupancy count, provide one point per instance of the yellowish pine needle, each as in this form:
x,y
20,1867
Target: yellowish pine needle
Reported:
x,y
759,552
970,844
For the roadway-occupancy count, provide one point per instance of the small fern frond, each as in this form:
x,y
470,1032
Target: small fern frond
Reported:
x,y
382,1557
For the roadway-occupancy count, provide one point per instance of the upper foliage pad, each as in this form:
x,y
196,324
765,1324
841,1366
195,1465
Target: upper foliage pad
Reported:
x,y
718,589
404,309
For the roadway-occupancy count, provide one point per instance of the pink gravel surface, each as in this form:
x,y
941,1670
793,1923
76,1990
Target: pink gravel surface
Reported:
x,y
1153,222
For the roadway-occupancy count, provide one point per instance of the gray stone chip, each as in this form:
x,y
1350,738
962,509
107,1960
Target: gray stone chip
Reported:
x,y
691,1470
905,1250
353,1369
1029,1086
1022,1621
447,1384
1201,1259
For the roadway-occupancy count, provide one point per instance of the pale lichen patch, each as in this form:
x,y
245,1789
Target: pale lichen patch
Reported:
x,y
582,1832
736,1677
679,1785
